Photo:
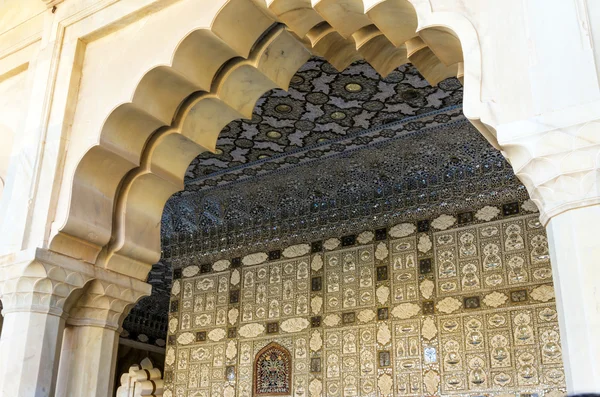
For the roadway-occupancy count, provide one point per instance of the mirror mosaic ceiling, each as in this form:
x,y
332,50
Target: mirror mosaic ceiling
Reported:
x,y
338,153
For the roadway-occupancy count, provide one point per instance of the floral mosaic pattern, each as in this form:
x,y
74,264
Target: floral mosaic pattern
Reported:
x,y
322,104
380,325
421,174
273,372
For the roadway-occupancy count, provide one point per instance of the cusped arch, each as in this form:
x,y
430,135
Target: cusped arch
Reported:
x,y
216,75
272,375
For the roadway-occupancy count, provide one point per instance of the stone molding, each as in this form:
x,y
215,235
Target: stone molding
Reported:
x,y
559,167
105,304
46,282
33,284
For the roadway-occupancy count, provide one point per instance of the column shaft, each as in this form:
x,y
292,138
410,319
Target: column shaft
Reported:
x,y
29,349
574,242
88,361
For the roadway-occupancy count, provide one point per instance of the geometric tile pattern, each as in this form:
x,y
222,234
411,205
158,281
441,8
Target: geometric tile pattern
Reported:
x,y
374,317
321,104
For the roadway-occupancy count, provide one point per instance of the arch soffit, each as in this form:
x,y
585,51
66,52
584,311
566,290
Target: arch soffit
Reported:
x,y
216,75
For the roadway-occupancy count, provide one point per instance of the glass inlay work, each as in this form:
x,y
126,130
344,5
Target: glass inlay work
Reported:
x,y
272,371
460,305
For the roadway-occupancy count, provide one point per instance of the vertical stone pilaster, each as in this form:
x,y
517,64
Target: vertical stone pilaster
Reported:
x,y
34,295
89,351
560,166
575,252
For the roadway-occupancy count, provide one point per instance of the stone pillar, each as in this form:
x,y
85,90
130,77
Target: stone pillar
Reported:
x,y
560,166
575,251
34,295
89,353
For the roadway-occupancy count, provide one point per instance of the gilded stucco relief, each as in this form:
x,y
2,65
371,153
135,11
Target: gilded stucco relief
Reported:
x,y
457,306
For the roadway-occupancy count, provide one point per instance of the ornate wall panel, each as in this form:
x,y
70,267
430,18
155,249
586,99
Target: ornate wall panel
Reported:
x,y
461,305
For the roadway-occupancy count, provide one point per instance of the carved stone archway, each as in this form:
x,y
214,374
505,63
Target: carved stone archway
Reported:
x,y
215,76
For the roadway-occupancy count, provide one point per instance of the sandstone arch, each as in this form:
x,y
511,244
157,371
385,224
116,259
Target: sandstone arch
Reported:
x,y
215,76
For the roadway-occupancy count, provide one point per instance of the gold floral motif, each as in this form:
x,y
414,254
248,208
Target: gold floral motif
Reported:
x,y
170,356
364,316
316,303
543,293
365,237
429,330
385,384
449,305
425,244
383,293
251,330
332,320
317,263
186,338
384,335
443,222
235,277
331,244
254,259
173,325
295,251
406,310
231,350
495,299
217,334
529,206
229,391
402,230
294,325
427,286
190,271
221,265
487,213
316,341
315,388
431,380
233,315
381,252
176,288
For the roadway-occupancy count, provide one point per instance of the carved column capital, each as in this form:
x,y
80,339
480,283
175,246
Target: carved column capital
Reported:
x,y
559,166
46,282
34,284
107,300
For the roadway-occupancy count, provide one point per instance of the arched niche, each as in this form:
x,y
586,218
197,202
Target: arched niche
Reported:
x,y
272,371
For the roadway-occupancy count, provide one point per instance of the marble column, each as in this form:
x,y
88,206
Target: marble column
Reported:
x,y
34,295
559,163
29,353
91,338
87,362
575,253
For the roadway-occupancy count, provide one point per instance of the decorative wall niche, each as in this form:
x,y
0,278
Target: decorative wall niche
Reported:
x,y
273,371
